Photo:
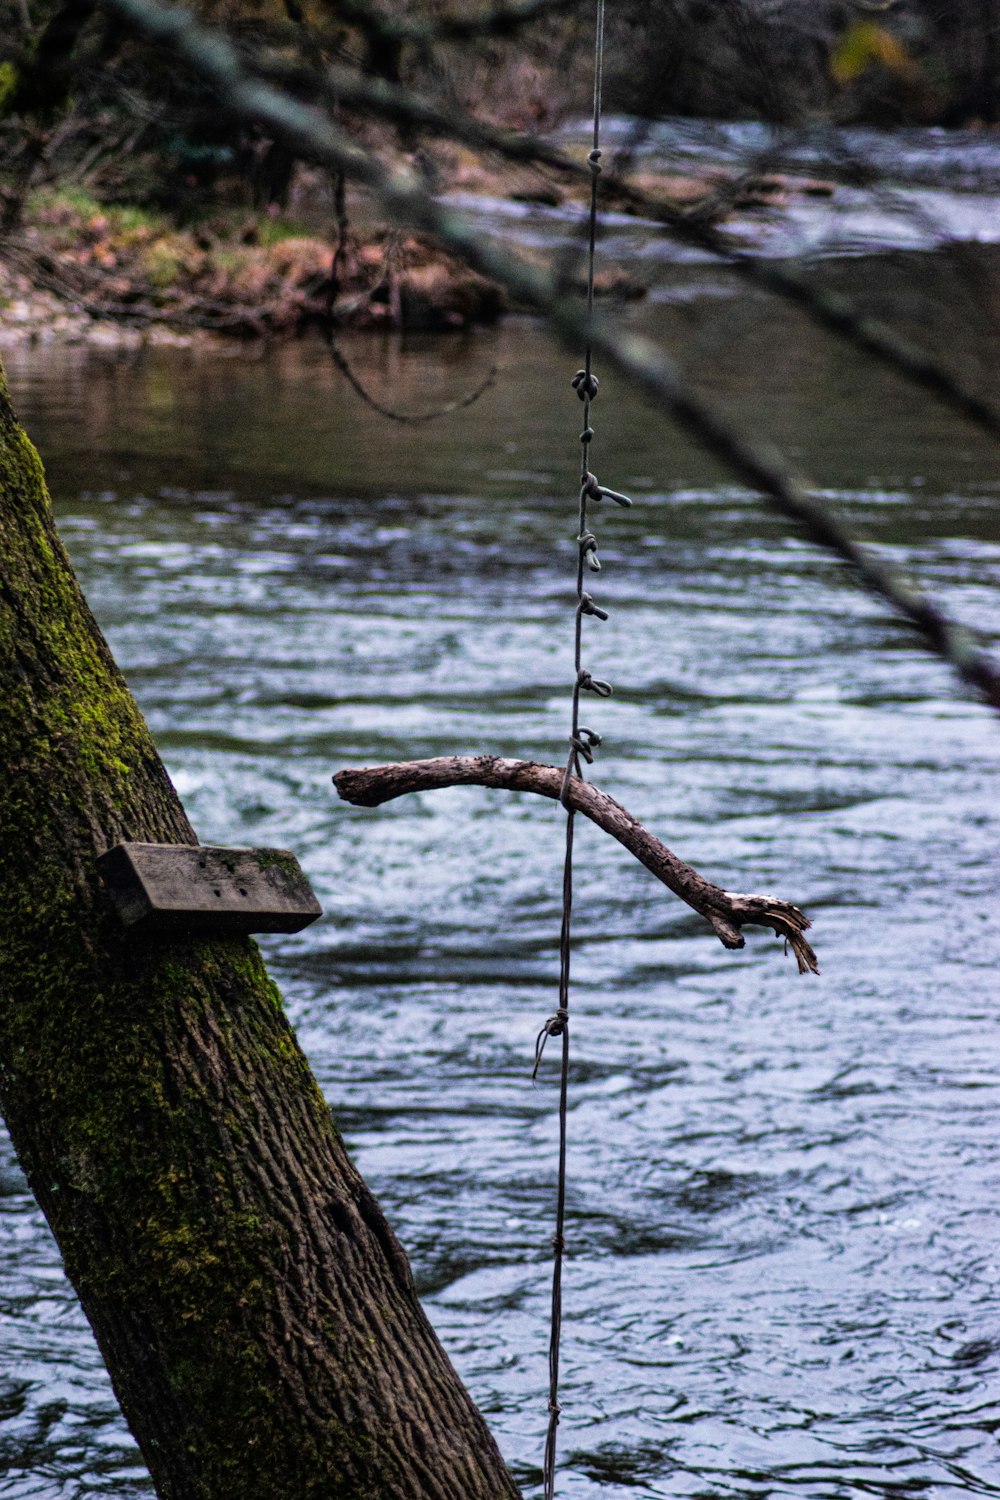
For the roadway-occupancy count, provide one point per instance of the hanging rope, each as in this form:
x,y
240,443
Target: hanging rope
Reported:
x,y
583,742
414,419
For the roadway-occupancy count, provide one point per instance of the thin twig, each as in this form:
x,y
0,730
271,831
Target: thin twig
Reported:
x,y
726,911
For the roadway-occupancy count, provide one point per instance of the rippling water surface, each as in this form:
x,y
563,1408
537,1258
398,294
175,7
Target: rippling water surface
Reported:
x,y
783,1275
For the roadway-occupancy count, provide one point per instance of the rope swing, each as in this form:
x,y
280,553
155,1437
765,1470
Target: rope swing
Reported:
x,y
726,912
583,743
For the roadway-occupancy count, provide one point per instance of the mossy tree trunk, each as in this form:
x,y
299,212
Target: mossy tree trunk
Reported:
x,y
254,1308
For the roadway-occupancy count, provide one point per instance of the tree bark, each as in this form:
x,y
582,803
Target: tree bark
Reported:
x,y
256,1312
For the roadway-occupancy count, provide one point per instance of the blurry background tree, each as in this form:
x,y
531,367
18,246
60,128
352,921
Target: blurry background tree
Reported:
x,y
92,115
80,103
84,104
894,60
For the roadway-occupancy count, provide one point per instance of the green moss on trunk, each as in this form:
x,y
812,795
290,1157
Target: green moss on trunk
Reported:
x,y
255,1311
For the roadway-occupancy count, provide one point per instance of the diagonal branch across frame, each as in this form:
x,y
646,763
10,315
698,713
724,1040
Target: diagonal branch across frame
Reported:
x,y
313,135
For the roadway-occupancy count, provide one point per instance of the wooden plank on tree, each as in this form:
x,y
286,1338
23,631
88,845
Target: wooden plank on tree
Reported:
x,y
178,889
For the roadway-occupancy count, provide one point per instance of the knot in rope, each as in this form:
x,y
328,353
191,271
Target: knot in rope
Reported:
x,y
594,490
587,606
556,1025
587,435
586,385
594,684
588,547
594,160
585,742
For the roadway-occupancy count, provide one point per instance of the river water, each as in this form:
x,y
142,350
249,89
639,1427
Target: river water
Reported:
x,y
783,1275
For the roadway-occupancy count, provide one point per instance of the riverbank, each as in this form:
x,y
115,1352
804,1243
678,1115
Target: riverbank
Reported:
x,y
82,271
116,275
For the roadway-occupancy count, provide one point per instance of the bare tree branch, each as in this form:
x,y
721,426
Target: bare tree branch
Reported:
x,y
312,135
726,911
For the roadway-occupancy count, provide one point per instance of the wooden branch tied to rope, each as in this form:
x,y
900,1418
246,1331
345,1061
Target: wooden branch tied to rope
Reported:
x,y
727,911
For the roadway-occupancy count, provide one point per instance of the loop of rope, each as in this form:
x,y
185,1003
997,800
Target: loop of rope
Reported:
x,y
572,769
410,418
413,419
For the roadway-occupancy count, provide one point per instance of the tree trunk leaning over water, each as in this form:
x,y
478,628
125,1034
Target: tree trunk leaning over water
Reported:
x,y
255,1310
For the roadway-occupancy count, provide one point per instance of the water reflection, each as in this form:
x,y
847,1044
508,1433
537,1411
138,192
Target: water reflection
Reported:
x,y
782,1209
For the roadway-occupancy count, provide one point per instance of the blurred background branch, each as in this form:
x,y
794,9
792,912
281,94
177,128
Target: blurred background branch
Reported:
x,y
305,131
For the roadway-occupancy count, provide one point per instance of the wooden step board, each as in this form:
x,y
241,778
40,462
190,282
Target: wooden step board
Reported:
x,y
177,889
